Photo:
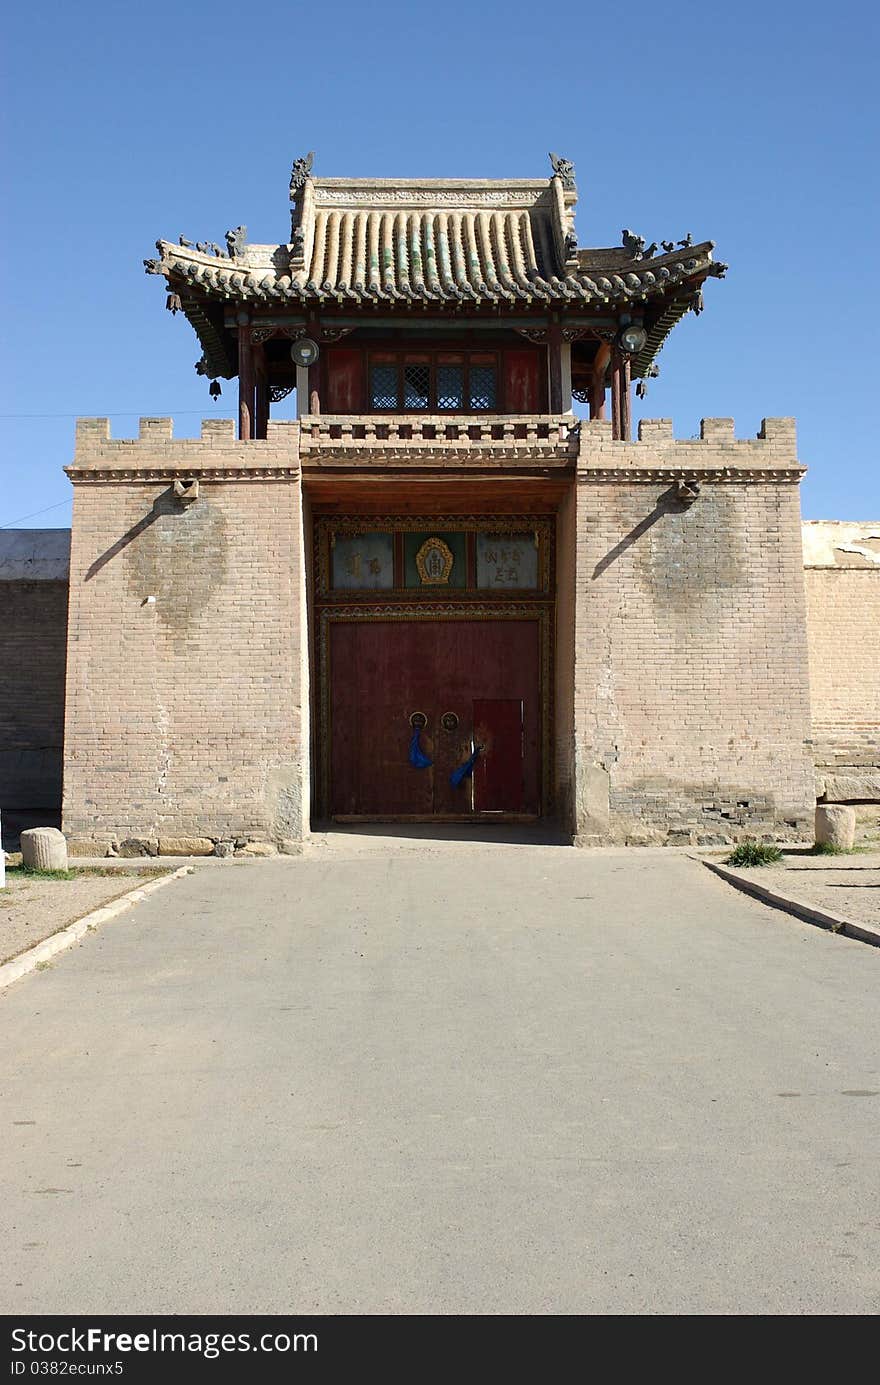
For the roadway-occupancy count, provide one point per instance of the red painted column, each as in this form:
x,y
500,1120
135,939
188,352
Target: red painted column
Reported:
x,y
261,405
615,397
626,399
245,383
597,386
554,347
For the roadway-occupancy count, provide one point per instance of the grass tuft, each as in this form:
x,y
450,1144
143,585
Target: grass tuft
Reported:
x,y
32,873
80,872
754,854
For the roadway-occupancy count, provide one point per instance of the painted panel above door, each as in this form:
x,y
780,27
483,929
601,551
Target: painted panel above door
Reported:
x,y
363,562
507,561
424,565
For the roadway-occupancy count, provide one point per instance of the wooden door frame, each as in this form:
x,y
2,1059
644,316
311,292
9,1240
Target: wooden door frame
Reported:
x,y
539,612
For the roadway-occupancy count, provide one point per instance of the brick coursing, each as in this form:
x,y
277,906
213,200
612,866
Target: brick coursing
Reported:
x,y
33,639
691,690
187,714
843,624
681,702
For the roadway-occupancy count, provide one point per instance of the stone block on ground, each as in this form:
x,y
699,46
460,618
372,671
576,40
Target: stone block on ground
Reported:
x,y
138,846
186,846
835,826
44,848
87,846
256,849
224,849
849,788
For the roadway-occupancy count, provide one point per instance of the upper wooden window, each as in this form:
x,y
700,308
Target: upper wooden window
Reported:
x,y
433,379
433,382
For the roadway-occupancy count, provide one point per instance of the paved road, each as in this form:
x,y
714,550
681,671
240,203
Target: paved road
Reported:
x,y
450,1080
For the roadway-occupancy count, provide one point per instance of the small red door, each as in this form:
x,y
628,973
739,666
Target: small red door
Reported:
x,y
499,781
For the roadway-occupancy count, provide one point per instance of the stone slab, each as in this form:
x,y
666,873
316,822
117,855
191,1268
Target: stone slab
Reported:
x,y
186,846
850,788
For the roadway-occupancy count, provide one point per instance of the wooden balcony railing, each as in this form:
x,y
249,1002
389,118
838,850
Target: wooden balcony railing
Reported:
x,y
519,436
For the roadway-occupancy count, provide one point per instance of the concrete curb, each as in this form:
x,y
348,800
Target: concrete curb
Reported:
x,y
862,932
65,937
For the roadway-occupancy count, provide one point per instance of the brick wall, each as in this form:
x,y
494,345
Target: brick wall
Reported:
x,y
564,658
187,713
33,636
691,690
842,578
843,622
681,699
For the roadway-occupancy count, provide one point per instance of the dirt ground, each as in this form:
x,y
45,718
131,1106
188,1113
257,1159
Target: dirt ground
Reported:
x,y
32,909
844,885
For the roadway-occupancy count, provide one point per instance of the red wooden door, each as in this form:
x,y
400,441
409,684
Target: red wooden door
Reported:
x,y
381,672
522,392
498,773
344,368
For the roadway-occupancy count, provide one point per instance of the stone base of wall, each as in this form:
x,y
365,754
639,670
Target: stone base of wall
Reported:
x,y
660,816
133,846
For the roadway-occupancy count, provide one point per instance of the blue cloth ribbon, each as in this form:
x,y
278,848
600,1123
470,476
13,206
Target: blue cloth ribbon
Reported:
x,y
465,770
417,757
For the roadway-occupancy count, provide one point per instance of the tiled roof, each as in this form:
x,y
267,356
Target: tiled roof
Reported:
x,y
431,257
405,243
459,242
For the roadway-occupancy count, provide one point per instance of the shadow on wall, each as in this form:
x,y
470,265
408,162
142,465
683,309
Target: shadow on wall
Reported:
x,y
702,548
158,508
665,505
180,558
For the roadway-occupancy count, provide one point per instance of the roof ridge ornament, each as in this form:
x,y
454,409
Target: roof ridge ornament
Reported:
x,y
300,173
563,169
235,242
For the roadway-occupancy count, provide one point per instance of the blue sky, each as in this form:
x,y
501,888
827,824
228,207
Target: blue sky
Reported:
x,y
752,124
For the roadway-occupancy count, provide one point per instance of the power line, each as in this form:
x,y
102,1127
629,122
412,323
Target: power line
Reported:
x,y
33,514
114,413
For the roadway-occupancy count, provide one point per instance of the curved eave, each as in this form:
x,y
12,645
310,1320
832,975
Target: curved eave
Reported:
x,y
212,339
672,313
612,283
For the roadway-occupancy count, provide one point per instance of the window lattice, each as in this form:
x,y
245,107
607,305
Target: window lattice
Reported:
x,y
416,383
482,387
450,387
383,387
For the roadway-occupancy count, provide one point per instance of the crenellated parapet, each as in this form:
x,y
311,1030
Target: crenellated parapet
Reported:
x,y
716,455
155,454
561,442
